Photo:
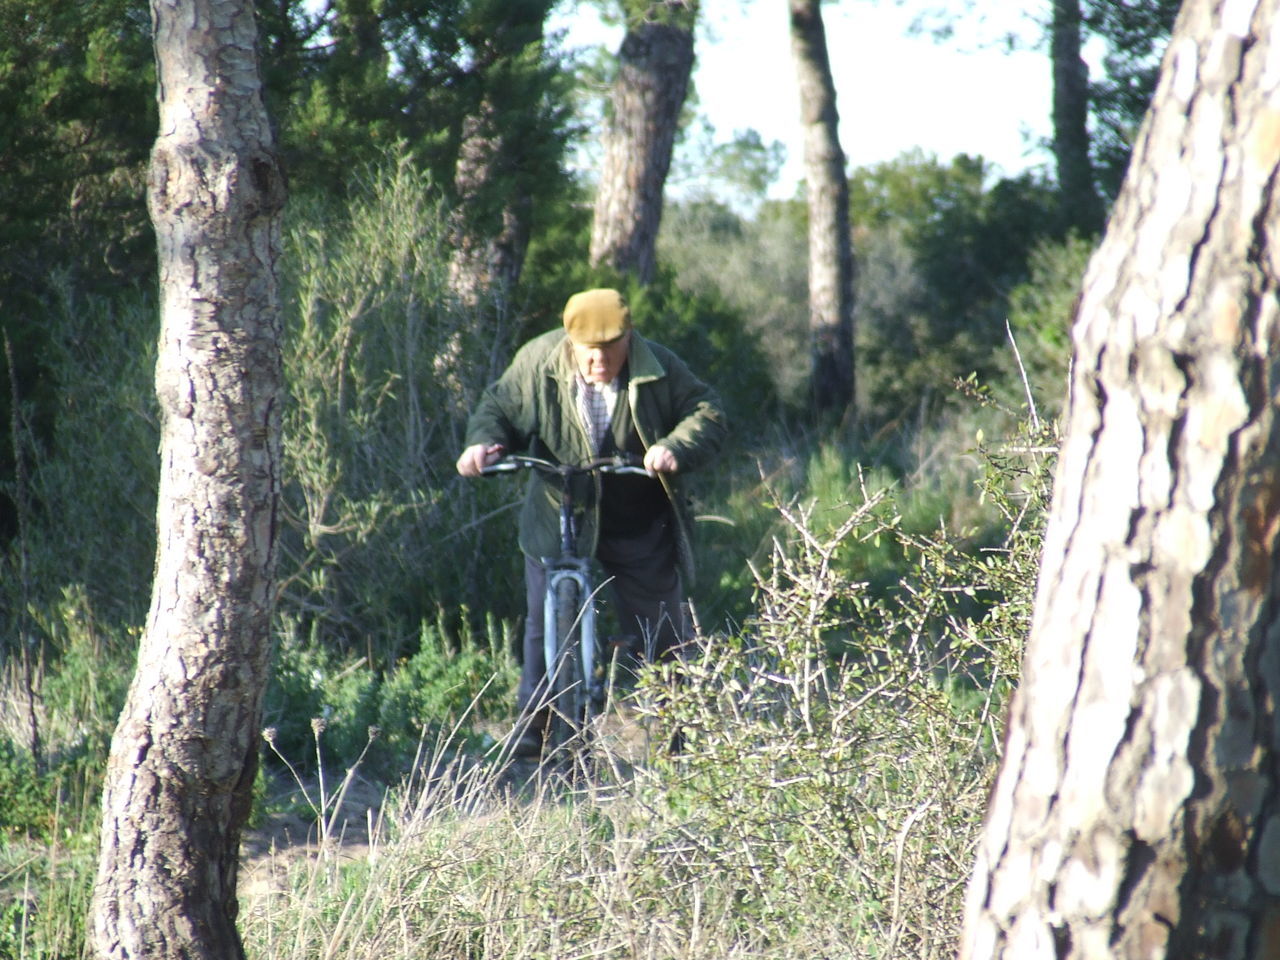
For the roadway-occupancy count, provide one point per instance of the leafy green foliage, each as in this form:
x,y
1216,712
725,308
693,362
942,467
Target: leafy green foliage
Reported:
x,y
308,683
1135,35
360,78
77,115
345,83
938,248
382,369
92,483
1041,312
83,673
754,265
447,686
27,799
708,334
446,683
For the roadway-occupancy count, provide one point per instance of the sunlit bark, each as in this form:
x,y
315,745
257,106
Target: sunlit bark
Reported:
x,y
183,758
1135,814
831,263
654,64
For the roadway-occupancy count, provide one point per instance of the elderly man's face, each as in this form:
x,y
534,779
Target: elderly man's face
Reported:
x,y
601,362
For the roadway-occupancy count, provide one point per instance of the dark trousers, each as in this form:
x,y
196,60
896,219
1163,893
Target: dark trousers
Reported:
x,y
647,592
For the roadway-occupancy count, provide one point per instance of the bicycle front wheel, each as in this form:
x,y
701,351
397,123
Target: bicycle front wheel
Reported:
x,y
569,692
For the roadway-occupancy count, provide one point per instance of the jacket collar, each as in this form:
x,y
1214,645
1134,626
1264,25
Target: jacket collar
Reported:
x,y
644,365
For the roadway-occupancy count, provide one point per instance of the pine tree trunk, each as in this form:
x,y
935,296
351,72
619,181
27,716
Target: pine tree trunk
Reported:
x,y
831,264
1135,814
183,758
503,148
654,64
1071,120
486,262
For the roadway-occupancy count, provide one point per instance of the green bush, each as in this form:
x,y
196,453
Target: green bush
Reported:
x,y
92,485
27,798
445,686
756,267
449,685
309,682
1040,314
711,337
382,367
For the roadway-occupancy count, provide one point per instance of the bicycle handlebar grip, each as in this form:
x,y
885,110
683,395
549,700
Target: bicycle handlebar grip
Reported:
x,y
502,466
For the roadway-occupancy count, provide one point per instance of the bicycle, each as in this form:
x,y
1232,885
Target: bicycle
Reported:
x,y
575,683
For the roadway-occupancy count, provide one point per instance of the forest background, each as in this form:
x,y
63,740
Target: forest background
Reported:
x,y
914,519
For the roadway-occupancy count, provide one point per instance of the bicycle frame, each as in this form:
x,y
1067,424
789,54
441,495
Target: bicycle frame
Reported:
x,y
570,708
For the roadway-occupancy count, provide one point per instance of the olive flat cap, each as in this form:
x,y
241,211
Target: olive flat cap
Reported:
x,y
596,316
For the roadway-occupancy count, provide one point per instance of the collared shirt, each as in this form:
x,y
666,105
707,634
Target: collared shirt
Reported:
x,y
596,402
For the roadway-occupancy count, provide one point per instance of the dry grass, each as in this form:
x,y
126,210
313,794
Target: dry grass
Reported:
x,y
816,811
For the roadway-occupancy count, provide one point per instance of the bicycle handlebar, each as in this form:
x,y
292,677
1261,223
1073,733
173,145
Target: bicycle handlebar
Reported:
x,y
621,463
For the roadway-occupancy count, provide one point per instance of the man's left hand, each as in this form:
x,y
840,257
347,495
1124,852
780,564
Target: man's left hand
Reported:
x,y
658,459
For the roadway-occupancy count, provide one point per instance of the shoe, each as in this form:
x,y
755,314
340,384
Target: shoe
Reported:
x,y
530,734
527,743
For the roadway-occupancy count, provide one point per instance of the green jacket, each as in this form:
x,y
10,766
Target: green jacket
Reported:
x,y
531,408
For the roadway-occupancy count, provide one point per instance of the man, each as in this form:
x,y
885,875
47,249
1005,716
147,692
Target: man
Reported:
x,y
594,389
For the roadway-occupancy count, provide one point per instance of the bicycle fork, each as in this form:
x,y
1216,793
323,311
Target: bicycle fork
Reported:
x,y
586,620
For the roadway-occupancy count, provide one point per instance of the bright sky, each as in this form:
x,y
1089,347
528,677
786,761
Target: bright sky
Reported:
x,y
894,91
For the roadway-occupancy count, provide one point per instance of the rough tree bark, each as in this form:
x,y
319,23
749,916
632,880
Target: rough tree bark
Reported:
x,y
1071,119
1136,810
494,173
486,264
184,754
654,64
831,264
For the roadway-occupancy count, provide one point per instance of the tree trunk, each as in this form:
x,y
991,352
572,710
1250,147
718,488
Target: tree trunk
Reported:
x,y
831,262
184,755
509,142
1071,120
654,64
1135,814
486,262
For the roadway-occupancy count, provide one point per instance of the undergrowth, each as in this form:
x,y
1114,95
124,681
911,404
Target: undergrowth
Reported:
x,y
837,745
837,751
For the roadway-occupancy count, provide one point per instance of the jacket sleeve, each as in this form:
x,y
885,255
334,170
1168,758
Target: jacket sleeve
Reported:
x,y
505,413
694,419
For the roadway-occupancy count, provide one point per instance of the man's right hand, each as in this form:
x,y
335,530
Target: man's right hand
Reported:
x,y
478,456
